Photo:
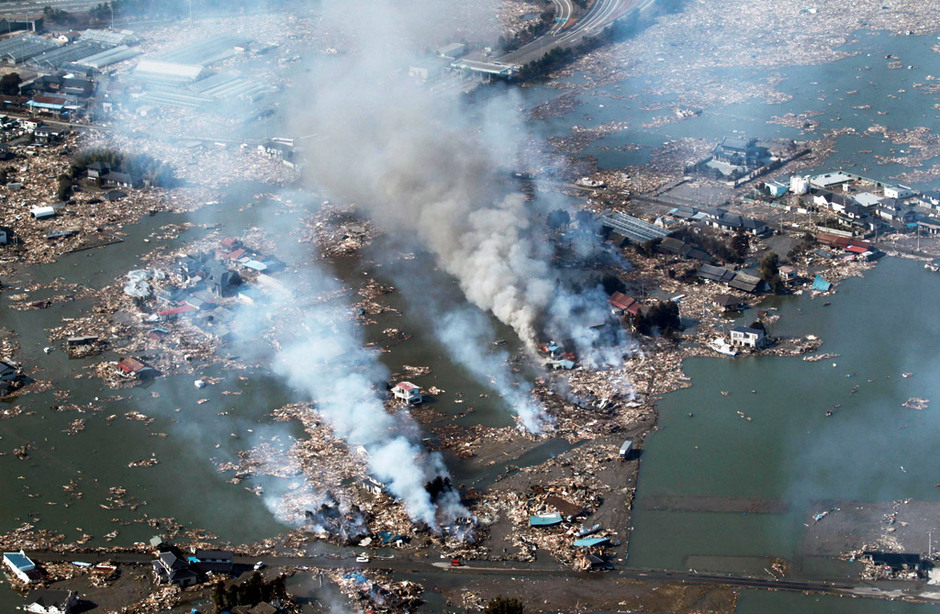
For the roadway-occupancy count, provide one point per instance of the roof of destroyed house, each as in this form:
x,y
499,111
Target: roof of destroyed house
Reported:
x,y
119,177
715,273
747,283
588,542
49,597
682,212
132,365
727,300
176,310
545,520
821,284
672,245
235,254
748,330
621,300
564,506
833,240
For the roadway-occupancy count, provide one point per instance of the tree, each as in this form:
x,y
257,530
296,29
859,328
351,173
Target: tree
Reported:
x,y
504,605
770,271
218,596
65,187
740,244
10,84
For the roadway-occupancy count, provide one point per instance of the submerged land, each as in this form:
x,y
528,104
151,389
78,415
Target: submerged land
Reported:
x,y
206,336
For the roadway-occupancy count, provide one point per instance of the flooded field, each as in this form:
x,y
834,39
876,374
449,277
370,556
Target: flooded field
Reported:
x,y
848,96
758,430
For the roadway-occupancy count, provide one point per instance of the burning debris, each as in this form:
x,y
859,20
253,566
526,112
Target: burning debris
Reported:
x,y
346,525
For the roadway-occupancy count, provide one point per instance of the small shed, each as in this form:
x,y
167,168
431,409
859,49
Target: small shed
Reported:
x,y
625,448
566,508
41,213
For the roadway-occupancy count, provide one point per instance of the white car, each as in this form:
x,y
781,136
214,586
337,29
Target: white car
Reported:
x,y
258,565
362,558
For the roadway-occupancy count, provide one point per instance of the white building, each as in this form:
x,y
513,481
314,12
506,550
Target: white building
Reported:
x,y
23,568
52,602
748,337
406,392
898,191
799,185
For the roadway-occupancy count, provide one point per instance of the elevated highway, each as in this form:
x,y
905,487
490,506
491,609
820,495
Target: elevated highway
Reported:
x,y
569,29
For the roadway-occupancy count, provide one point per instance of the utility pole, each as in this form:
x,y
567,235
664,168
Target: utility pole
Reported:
x,y
111,6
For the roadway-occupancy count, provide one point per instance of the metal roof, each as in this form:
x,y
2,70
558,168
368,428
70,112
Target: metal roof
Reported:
x,y
632,228
545,520
19,560
591,541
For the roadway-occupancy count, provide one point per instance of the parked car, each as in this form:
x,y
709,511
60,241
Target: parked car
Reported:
x,y
258,565
362,558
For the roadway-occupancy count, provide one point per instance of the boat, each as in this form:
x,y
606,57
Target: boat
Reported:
x,y
722,347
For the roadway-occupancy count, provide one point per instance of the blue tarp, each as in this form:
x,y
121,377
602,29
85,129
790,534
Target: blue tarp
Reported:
x,y
821,284
591,541
545,520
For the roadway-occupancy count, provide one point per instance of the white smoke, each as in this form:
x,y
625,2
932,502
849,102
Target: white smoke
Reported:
x,y
418,164
330,365
465,333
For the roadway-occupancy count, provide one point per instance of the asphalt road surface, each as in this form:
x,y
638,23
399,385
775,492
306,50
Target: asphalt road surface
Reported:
x,y
408,563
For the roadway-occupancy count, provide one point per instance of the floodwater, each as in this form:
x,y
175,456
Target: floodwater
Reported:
x,y
834,95
871,449
187,437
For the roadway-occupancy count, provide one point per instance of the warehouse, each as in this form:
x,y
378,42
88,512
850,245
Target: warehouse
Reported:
x,y
188,63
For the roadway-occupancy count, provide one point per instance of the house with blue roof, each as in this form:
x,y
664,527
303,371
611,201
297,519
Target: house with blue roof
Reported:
x,y
21,566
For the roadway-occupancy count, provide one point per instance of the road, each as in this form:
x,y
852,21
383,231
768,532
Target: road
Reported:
x,y
414,563
600,15
35,8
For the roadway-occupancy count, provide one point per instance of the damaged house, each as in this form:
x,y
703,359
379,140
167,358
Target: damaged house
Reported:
x,y
408,393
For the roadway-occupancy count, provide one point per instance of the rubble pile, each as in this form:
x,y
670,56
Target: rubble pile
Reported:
x,y
378,592
338,230
161,598
86,220
330,493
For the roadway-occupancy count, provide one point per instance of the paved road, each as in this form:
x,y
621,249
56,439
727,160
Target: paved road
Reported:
x,y
35,8
600,15
410,563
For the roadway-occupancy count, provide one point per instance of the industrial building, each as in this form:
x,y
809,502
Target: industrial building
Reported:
x,y
187,63
21,48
